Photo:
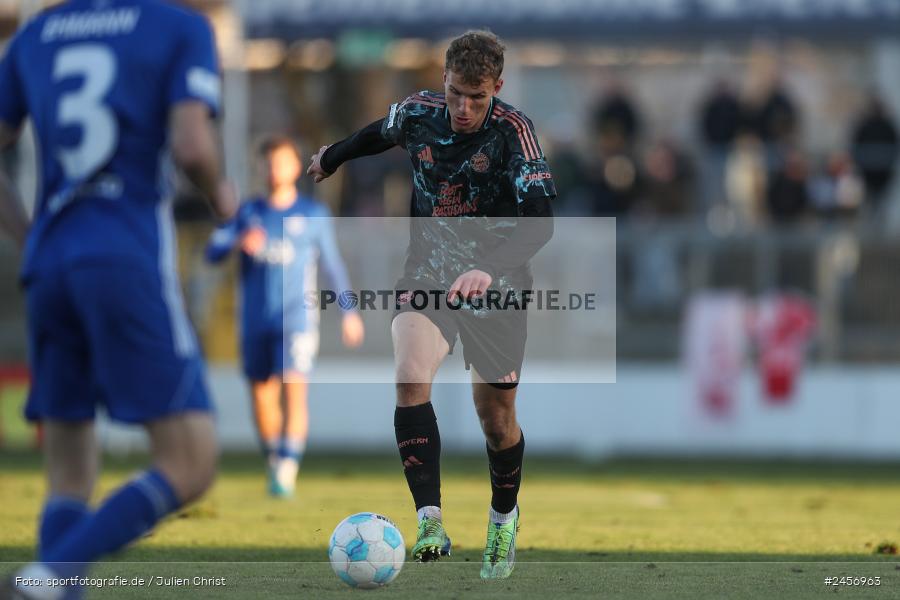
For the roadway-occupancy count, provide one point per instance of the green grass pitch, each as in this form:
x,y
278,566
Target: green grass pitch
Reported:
x,y
628,529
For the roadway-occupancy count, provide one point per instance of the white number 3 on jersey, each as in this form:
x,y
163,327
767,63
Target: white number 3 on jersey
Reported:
x,y
84,107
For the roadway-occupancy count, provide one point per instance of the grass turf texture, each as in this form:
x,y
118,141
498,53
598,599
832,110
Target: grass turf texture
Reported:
x,y
629,529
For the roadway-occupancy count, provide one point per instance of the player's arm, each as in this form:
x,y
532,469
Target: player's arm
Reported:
x,y
367,141
532,185
224,239
194,96
13,218
195,150
352,325
534,229
374,138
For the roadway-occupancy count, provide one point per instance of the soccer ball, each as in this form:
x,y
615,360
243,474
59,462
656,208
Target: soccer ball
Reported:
x,y
366,550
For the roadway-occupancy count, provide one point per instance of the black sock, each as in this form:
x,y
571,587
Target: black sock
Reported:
x,y
506,475
420,449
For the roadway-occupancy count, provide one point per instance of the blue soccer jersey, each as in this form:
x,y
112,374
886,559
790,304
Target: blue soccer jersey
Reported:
x,y
106,321
98,80
276,283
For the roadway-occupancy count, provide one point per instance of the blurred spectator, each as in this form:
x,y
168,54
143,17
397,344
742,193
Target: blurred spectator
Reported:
x,y
774,119
787,196
666,189
720,115
839,190
745,181
665,193
566,161
720,121
613,184
616,120
875,147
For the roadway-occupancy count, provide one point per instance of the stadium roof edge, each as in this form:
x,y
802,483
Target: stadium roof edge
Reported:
x,y
609,19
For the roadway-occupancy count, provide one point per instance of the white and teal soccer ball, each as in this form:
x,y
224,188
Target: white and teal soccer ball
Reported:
x,y
366,550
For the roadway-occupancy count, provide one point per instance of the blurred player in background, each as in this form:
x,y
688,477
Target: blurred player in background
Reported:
x,y
110,87
473,156
281,238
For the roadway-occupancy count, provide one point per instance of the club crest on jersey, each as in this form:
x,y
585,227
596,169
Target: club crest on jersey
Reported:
x,y
295,225
480,162
404,298
425,157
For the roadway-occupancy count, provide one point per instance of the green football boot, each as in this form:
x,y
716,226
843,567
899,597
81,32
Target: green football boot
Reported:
x,y
432,541
500,551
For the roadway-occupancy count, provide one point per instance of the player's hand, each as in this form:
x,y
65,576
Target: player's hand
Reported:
x,y
315,167
254,241
352,330
470,284
225,204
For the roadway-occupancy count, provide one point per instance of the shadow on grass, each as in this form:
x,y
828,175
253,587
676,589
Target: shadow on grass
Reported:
x,y
284,554
655,470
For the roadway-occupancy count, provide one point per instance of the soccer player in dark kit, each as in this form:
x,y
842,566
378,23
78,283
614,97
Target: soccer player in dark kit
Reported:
x,y
477,168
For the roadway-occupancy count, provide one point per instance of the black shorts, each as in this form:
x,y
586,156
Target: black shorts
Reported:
x,y
493,336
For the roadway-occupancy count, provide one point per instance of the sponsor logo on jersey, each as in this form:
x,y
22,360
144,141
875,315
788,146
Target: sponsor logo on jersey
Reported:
x,y
450,201
538,176
480,162
295,225
278,252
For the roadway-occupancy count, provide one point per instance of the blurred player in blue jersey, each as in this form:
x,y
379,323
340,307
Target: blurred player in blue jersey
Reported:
x,y
281,238
119,92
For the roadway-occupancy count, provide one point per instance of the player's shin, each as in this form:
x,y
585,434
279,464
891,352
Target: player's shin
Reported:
x,y
506,477
419,443
126,515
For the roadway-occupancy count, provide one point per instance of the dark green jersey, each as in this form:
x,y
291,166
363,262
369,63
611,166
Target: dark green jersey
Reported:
x,y
486,173
468,188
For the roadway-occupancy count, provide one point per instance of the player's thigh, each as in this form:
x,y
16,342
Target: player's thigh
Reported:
x,y
60,358
494,346
145,356
419,347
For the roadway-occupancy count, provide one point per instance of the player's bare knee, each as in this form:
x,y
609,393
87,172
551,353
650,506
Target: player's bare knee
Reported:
x,y
190,476
496,432
412,394
414,371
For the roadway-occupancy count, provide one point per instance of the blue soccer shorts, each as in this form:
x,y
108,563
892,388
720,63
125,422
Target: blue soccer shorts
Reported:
x,y
114,336
268,353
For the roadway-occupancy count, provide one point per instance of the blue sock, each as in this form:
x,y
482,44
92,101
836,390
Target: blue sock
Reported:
x,y
292,448
126,515
60,514
271,450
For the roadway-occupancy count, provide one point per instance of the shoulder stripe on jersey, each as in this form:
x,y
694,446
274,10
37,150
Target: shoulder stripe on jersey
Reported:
x,y
528,133
417,99
526,138
427,99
